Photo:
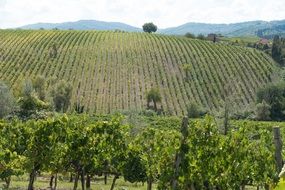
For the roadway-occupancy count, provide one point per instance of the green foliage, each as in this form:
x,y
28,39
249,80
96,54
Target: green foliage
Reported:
x,y
29,102
201,37
156,150
262,111
214,160
92,146
134,170
61,95
39,84
194,110
153,96
276,52
190,35
273,95
149,27
7,101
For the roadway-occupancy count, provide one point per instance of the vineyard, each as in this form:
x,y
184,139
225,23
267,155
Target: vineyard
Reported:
x,y
114,70
88,147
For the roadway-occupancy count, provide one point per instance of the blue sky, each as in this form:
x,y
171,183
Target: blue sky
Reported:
x,y
164,13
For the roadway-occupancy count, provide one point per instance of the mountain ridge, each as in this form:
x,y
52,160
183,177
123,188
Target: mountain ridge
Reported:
x,y
249,28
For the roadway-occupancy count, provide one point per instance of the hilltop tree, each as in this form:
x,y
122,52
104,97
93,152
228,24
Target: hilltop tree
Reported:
x,y
153,96
149,27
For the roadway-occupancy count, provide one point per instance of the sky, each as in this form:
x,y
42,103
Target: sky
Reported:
x,y
164,13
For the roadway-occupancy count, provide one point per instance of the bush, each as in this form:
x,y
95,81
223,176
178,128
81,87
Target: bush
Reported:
x,y
190,35
195,111
61,96
273,95
7,101
201,37
262,112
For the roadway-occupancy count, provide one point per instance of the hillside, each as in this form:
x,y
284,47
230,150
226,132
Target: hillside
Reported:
x,y
252,28
114,70
83,25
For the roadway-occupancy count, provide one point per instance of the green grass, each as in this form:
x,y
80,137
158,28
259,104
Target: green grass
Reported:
x,y
43,183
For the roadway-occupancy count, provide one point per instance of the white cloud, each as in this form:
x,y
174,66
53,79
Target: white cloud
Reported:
x,y
164,13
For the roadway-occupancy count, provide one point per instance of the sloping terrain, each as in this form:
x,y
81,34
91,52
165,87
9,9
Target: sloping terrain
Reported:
x,y
83,25
252,28
114,70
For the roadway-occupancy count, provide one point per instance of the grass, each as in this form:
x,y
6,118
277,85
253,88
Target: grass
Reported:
x,y
98,184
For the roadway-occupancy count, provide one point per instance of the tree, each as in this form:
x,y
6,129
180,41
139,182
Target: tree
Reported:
x,y
29,102
61,96
153,96
262,111
277,49
13,143
42,145
149,27
201,37
194,110
39,84
190,35
273,95
156,149
134,169
7,101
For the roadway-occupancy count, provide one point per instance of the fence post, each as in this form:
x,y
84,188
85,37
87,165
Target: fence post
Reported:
x,y
180,154
278,148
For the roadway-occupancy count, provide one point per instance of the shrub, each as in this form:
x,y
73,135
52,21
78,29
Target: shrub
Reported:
x,y
190,35
6,100
194,110
262,111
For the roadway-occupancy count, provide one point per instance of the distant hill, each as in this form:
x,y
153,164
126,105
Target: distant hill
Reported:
x,y
83,25
112,71
252,28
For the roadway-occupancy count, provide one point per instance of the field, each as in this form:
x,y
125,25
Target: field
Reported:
x,y
114,70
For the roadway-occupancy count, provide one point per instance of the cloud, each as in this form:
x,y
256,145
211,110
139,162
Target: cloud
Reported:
x,y
164,13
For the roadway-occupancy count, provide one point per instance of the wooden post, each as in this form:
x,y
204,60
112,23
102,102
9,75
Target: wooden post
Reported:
x,y
180,154
278,148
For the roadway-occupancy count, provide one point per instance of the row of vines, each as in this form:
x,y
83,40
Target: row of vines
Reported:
x,y
114,70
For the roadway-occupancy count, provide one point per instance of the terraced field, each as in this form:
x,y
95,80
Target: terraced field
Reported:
x,y
114,70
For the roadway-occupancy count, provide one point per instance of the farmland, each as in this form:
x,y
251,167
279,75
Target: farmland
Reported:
x,y
114,70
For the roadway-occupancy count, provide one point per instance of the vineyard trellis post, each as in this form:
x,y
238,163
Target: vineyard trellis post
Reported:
x,y
180,154
278,148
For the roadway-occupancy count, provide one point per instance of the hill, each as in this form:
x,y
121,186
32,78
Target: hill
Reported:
x,y
252,28
83,25
114,70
